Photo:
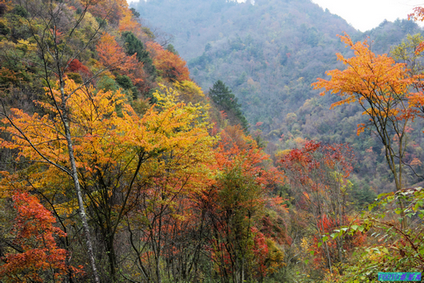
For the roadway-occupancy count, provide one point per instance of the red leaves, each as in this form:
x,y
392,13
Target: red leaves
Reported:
x,y
304,161
236,201
317,174
35,239
260,250
76,66
170,66
417,15
113,57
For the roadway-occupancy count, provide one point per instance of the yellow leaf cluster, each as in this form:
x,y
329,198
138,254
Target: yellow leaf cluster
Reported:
x,y
172,138
376,82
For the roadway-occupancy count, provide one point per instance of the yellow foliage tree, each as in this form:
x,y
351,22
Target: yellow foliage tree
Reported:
x,y
119,156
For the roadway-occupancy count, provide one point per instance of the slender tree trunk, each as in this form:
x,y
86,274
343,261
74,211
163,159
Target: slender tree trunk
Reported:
x,y
111,255
74,172
158,250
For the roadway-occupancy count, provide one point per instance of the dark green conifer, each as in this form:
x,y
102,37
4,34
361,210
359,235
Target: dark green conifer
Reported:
x,y
134,45
225,100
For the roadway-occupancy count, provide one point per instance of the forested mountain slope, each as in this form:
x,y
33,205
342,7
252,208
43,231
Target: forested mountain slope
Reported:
x,y
269,53
110,158
115,166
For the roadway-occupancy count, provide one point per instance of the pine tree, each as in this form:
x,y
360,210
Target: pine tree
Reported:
x,y
226,101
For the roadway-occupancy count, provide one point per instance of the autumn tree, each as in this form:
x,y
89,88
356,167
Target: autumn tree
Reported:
x,y
113,58
164,192
134,46
170,66
128,166
33,253
318,178
60,37
381,87
235,204
390,96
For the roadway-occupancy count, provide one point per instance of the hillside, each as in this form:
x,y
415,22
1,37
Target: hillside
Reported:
x,y
115,165
268,54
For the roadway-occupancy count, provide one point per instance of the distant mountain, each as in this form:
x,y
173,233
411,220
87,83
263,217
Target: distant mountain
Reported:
x,y
269,53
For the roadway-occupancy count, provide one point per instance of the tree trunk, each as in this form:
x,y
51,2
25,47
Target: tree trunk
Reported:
x,y
81,209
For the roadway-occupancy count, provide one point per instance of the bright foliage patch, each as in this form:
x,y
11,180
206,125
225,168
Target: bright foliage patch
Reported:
x,y
37,256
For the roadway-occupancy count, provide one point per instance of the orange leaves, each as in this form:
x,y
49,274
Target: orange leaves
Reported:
x,y
235,200
110,10
417,15
166,152
38,252
415,162
170,66
376,82
113,57
361,128
242,177
127,23
416,99
420,48
367,77
93,117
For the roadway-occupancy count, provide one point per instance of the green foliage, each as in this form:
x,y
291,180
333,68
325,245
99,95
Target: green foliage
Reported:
x,y
405,52
132,46
393,246
362,195
269,65
269,54
226,101
171,48
126,83
20,11
135,13
4,30
148,32
106,83
75,77
102,22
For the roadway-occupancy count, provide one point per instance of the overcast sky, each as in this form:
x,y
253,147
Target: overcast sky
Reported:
x,y
367,14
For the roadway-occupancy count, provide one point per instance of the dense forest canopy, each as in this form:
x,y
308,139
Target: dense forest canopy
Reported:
x,y
121,162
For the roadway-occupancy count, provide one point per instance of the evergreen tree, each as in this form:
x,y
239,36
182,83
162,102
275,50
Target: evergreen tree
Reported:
x,y
134,45
225,100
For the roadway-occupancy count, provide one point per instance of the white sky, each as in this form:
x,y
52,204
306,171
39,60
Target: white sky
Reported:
x,y
367,14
